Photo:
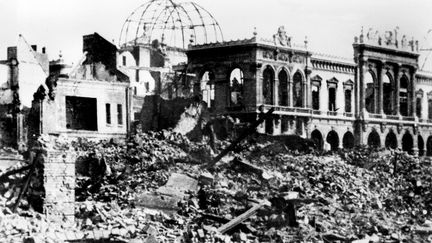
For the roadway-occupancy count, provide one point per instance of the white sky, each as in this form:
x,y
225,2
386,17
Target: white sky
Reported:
x,y
329,24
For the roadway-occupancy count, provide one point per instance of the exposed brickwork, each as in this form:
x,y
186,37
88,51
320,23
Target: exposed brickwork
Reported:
x,y
52,190
59,184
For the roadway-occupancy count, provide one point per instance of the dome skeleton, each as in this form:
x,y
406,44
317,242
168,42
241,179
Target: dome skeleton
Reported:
x,y
165,19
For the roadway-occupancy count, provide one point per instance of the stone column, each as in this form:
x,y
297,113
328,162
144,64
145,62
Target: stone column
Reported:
x,y
381,88
410,96
276,91
290,93
397,91
308,103
362,86
305,93
413,97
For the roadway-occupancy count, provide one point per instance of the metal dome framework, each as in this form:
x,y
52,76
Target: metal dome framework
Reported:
x,y
174,24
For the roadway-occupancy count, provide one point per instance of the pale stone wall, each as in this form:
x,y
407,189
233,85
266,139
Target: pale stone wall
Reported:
x,y
114,93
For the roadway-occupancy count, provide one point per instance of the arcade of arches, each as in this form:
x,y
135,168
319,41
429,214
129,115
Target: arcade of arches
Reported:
x,y
373,140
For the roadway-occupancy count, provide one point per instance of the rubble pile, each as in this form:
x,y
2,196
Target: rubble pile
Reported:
x,y
333,199
155,188
144,163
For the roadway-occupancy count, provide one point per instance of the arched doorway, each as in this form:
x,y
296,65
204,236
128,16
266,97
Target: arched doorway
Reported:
x,y
317,138
283,88
420,143
333,140
348,140
391,140
429,146
268,86
374,139
407,143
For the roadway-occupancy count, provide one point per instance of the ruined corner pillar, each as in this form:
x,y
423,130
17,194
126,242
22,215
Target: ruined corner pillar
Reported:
x,y
53,186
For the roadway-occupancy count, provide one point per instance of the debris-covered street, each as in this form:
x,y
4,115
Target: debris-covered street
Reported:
x,y
153,189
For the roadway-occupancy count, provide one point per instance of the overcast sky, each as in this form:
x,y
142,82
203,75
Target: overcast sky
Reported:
x,y
330,25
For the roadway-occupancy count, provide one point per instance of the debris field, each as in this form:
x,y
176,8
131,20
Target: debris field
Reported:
x,y
156,187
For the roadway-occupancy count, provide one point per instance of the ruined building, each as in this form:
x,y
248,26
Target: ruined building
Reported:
x,y
379,97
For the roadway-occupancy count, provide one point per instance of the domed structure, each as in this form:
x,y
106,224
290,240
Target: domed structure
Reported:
x,y
171,23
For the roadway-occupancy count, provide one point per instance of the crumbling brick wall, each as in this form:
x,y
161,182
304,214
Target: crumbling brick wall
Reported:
x,y
52,190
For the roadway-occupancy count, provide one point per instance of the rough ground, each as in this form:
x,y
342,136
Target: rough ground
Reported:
x,y
345,197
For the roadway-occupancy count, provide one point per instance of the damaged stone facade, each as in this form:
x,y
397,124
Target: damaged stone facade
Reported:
x,y
91,100
379,98
21,74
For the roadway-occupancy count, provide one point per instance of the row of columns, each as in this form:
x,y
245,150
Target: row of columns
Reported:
x,y
379,89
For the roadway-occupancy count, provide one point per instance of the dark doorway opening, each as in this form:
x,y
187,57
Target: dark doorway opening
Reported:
x,y
333,140
317,138
391,140
407,143
374,140
348,140
429,146
420,143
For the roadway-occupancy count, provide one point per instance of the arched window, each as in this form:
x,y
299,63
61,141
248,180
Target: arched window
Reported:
x,y
370,92
207,88
268,86
403,96
387,95
297,90
236,87
283,88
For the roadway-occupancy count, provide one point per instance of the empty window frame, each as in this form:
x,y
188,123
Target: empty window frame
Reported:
x,y
81,113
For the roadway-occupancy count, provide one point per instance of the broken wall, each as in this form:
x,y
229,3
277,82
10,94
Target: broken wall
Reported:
x,y
185,116
52,189
55,113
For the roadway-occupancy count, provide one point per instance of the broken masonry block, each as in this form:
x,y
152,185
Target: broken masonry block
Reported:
x,y
206,179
